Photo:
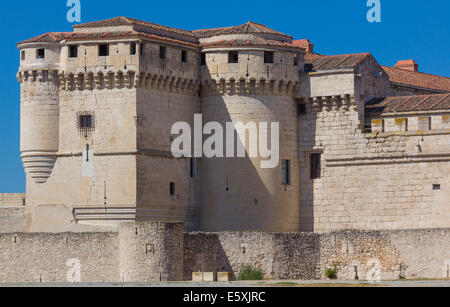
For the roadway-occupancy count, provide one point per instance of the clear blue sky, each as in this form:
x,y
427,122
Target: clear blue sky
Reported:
x,y
413,29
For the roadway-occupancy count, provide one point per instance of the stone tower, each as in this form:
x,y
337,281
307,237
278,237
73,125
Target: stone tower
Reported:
x,y
251,74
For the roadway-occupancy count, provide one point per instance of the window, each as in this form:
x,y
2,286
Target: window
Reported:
x,y
233,57
296,60
309,67
192,168
22,55
162,52
103,50
268,57
172,189
436,187
315,166
203,59
184,56
85,122
73,51
424,123
40,53
286,172
132,48
142,49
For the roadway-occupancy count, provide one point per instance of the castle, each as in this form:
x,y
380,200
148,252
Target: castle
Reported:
x,y
363,147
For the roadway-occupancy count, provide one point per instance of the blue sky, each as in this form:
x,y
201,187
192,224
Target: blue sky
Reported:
x,y
413,29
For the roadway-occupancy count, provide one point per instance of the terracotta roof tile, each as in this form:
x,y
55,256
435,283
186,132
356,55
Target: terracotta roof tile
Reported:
x,y
247,28
71,36
417,79
394,104
330,62
253,42
126,21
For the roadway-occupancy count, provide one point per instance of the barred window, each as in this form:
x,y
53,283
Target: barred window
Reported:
x,y
85,122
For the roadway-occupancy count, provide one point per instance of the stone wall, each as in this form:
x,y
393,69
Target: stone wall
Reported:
x,y
145,252
38,257
366,255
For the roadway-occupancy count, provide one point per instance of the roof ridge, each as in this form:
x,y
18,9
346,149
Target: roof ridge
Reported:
x,y
414,72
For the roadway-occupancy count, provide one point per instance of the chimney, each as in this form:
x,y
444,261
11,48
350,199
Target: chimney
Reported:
x,y
410,65
305,44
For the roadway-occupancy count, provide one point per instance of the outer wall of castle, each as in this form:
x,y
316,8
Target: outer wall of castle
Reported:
x,y
146,252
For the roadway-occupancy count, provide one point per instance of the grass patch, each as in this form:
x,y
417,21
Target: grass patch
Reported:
x,y
250,273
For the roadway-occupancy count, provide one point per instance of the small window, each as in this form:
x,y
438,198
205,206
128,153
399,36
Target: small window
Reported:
x,y
436,187
309,67
296,60
192,168
203,59
184,56
378,74
286,172
103,50
424,123
142,49
132,48
162,52
172,189
316,166
40,53
73,51
22,55
233,57
268,57
86,121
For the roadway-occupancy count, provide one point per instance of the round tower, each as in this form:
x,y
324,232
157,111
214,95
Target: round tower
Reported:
x,y
151,251
251,75
39,108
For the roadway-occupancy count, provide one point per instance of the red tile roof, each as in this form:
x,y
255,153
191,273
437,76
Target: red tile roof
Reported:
x,y
247,28
417,79
72,36
252,42
394,104
330,62
126,21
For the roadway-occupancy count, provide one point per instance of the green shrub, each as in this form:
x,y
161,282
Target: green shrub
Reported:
x,y
250,273
331,273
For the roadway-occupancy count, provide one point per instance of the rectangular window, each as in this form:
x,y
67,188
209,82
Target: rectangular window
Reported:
x,y
286,172
295,60
103,50
40,53
73,51
184,56
203,59
142,49
424,123
172,189
192,168
132,48
268,57
86,121
162,52
233,57
316,166
22,55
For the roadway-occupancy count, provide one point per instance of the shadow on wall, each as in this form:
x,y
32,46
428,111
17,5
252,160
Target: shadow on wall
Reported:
x,y
237,194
